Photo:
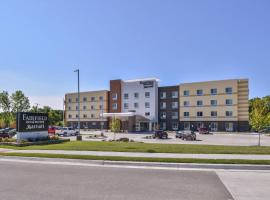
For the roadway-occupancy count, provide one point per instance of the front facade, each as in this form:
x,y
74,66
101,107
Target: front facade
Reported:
x,y
217,105
92,105
142,105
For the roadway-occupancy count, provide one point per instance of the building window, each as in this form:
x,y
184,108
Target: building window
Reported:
x,y
213,102
94,123
186,103
92,116
186,93
174,115
228,90
199,92
199,114
229,126
147,114
84,99
174,94
126,96
114,96
84,107
186,114
214,126
199,103
77,108
101,107
69,100
229,113
163,95
114,106
101,98
136,105
213,113
213,91
84,116
229,102
175,105
147,105
125,105
77,99
77,116
69,108
92,107
163,115
175,126
163,105
69,116
92,98
136,95
186,125
147,94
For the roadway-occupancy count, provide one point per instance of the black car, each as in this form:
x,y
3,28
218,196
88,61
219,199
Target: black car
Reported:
x,y
160,134
7,132
186,135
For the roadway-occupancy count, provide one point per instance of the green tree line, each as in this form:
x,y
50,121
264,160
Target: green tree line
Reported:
x,y
18,102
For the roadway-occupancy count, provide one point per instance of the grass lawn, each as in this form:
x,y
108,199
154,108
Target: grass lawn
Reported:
x,y
139,159
150,148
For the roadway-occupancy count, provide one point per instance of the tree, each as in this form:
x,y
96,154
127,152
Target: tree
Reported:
x,y
5,105
260,113
115,126
19,102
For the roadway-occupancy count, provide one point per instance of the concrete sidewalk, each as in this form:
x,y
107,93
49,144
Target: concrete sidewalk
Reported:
x,y
146,155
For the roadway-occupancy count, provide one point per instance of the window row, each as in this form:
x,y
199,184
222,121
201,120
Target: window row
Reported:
x,y
228,102
84,116
136,95
136,105
85,99
174,105
174,94
213,114
101,107
174,115
213,91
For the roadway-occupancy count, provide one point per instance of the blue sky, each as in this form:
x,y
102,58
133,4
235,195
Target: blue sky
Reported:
x,y
174,40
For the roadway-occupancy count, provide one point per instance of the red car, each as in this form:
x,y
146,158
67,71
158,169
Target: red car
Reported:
x,y
204,131
51,130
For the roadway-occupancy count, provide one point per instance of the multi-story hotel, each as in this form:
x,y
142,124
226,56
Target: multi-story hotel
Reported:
x,y
142,105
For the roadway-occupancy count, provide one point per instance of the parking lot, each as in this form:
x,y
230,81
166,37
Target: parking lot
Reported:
x,y
235,139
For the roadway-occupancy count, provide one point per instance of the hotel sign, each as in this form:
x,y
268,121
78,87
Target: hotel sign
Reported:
x,y
31,122
147,84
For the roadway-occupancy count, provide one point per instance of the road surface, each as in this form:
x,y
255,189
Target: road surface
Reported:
x,y
32,181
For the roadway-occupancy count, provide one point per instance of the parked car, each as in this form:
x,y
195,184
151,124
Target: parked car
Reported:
x,y
267,130
67,131
186,135
51,130
4,133
204,131
160,134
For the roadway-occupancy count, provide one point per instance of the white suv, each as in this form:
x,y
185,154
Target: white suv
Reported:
x,y
67,131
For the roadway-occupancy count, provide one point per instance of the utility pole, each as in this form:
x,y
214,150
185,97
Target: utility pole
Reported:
x,y
78,104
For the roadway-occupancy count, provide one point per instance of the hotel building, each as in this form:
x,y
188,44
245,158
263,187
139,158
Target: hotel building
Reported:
x,y
217,105
92,105
142,105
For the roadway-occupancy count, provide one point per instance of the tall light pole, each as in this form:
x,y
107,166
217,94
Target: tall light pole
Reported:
x,y
78,104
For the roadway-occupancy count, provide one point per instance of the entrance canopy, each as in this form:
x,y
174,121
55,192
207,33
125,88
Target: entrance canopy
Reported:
x,y
123,115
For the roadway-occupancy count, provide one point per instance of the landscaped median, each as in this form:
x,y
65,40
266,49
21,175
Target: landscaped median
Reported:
x,y
82,150
147,148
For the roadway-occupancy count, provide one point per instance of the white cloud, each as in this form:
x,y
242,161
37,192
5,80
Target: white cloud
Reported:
x,y
55,102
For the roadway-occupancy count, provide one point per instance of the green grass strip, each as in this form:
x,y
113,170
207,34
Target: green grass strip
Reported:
x,y
147,147
140,159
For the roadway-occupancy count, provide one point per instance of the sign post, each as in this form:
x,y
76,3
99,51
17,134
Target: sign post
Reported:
x,y
31,126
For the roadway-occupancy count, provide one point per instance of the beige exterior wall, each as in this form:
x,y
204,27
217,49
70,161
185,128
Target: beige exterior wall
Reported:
x,y
239,98
90,109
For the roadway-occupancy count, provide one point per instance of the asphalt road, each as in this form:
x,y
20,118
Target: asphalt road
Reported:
x,y
31,181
